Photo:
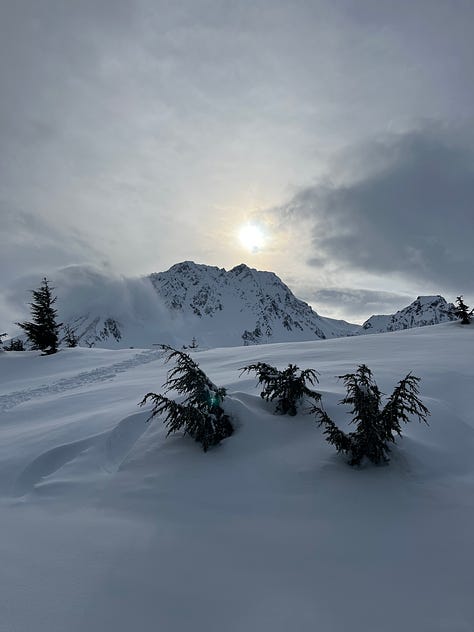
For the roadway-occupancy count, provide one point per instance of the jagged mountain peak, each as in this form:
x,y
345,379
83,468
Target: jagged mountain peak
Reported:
x,y
189,300
423,311
252,306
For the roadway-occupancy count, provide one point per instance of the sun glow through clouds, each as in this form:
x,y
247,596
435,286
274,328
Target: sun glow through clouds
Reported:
x,y
252,237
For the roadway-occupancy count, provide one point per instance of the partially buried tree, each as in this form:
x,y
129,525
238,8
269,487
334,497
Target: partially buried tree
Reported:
x,y
70,337
16,344
43,330
376,427
200,414
287,387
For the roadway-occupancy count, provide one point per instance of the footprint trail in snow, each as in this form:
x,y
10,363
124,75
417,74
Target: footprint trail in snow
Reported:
x,y
100,374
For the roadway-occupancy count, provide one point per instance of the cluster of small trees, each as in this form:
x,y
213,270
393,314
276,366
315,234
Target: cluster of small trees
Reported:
x,y
201,415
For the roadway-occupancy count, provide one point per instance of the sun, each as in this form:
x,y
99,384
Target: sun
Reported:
x,y
252,237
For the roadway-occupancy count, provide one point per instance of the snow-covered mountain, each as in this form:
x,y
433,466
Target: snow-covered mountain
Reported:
x,y
208,305
216,307
242,305
425,310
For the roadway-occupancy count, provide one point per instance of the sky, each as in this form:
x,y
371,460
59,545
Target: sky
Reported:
x,y
330,141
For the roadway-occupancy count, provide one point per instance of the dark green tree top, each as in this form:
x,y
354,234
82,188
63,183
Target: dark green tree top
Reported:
x,y
43,330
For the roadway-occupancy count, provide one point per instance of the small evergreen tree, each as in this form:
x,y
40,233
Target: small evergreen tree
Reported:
x,y
2,336
193,345
200,413
376,426
462,311
43,330
70,337
288,387
16,344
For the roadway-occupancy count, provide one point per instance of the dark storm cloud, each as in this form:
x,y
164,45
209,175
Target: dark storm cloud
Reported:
x,y
410,212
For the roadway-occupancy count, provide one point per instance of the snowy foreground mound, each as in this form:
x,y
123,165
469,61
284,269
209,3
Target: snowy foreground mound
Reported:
x,y
109,526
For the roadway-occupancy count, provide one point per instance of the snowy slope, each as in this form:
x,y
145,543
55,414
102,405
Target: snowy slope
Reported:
x,y
108,525
425,310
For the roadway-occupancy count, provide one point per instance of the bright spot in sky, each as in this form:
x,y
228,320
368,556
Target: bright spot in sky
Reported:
x,y
252,237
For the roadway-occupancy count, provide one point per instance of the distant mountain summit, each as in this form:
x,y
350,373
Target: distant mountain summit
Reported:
x,y
425,310
216,307
241,306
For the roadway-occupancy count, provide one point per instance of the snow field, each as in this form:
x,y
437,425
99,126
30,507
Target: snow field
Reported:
x,y
107,524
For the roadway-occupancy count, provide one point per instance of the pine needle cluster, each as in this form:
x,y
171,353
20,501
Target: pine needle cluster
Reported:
x,y
288,387
376,426
200,413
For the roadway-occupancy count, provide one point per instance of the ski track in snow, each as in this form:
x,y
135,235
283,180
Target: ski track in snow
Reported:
x,y
101,374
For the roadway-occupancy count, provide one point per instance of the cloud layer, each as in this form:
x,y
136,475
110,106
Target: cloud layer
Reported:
x,y
140,133
409,214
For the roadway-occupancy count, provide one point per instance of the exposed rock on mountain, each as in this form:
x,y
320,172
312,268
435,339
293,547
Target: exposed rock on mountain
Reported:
x,y
425,310
214,306
241,306
199,306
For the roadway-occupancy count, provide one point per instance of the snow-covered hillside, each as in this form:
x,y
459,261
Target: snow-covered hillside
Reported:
x,y
425,310
109,525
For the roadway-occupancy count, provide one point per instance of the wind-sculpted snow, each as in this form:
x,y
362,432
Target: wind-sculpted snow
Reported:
x,y
103,453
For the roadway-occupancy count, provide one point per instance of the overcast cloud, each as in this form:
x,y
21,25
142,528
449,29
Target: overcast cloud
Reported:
x,y
409,216
137,133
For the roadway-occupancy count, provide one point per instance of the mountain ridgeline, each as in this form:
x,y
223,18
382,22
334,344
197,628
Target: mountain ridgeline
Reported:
x,y
425,310
258,305
213,306
198,305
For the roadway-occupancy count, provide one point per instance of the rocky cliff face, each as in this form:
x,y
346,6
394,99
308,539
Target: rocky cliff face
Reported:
x,y
425,310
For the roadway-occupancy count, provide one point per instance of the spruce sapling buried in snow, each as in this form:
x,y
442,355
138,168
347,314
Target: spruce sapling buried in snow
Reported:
x,y
376,427
43,331
16,344
462,311
70,337
288,387
200,413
